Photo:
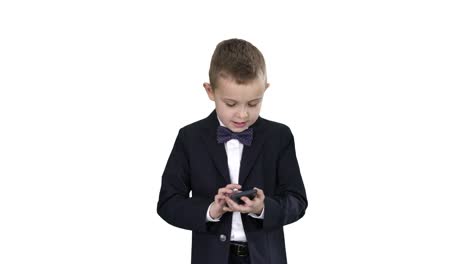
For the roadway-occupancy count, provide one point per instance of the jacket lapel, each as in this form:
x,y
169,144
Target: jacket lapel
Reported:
x,y
250,153
217,151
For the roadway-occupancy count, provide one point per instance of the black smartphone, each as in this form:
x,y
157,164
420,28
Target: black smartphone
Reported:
x,y
236,197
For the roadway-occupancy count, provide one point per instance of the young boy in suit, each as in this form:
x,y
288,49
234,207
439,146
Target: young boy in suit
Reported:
x,y
234,149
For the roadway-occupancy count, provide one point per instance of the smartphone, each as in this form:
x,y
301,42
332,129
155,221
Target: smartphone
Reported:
x,y
236,197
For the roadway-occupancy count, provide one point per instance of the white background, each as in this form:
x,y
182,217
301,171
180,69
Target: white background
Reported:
x,y
92,94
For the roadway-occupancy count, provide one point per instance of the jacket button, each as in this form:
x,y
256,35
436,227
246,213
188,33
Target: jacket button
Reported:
x,y
222,238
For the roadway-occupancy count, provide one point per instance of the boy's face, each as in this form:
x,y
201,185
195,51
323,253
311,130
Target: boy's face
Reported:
x,y
237,105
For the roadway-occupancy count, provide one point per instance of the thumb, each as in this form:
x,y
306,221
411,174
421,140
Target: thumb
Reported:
x,y
260,193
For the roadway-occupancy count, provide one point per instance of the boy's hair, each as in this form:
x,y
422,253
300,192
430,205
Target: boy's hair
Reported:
x,y
238,59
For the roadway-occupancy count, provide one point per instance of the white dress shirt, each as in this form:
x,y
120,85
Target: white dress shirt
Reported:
x,y
234,154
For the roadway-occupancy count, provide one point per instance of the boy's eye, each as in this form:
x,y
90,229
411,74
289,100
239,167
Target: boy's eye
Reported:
x,y
253,105
230,105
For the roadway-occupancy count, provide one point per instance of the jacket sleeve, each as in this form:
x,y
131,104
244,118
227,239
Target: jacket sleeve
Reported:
x,y
289,202
175,205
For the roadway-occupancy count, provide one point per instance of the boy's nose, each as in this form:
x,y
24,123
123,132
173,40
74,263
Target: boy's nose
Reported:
x,y
243,114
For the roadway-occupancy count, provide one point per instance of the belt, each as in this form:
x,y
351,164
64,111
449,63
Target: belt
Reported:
x,y
239,249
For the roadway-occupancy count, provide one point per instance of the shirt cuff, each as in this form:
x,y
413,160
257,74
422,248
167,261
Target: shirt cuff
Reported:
x,y
208,217
261,216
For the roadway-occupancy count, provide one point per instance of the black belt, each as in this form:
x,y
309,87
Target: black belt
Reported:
x,y
239,249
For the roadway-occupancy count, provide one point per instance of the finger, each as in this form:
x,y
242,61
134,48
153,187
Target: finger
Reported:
x,y
260,193
237,207
247,201
229,201
233,205
227,209
244,209
224,191
219,198
233,186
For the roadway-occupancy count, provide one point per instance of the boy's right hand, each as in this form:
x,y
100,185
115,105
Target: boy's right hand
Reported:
x,y
216,210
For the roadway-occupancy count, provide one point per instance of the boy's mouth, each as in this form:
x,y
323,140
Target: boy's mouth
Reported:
x,y
239,124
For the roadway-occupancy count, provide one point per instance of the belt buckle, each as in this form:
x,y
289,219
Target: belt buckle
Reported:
x,y
240,252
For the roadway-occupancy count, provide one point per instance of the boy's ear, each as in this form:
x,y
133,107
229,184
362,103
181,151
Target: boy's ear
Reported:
x,y
209,91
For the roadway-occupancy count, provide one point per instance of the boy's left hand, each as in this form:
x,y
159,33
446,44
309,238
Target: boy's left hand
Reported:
x,y
250,206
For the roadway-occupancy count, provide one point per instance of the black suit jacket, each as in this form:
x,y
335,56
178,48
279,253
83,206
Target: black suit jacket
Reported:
x,y
198,164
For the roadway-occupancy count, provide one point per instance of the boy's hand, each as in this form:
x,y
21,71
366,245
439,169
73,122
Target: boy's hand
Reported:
x,y
250,206
219,203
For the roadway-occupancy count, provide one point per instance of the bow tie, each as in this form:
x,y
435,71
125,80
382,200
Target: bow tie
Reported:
x,y
224,134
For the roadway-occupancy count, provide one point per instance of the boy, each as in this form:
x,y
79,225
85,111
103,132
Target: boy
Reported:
x,y
234,149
